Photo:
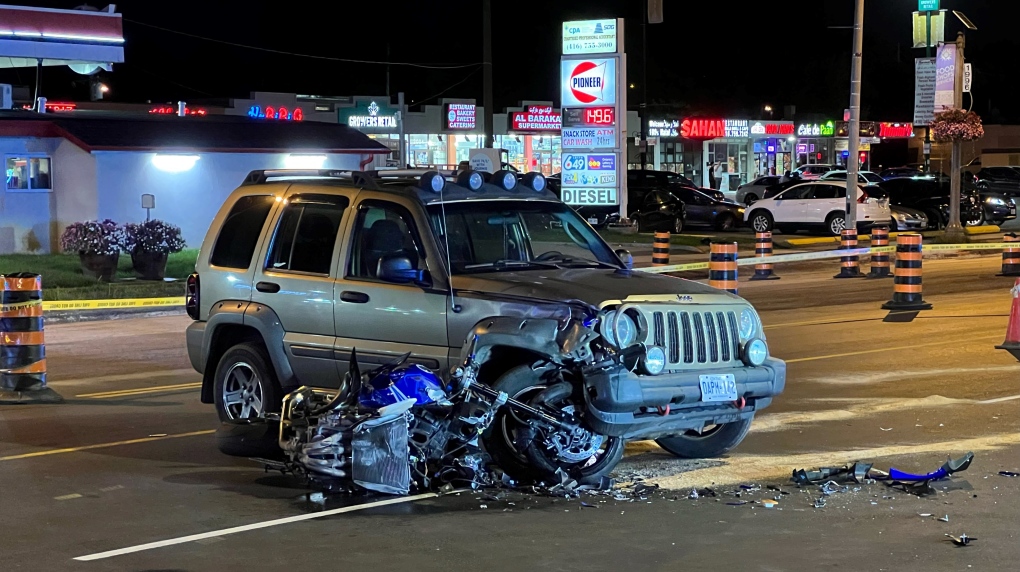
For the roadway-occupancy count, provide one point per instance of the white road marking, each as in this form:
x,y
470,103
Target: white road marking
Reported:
x,y
68,497
248,527
883,376
999,400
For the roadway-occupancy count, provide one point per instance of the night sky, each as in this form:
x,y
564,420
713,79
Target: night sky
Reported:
x,y
727,64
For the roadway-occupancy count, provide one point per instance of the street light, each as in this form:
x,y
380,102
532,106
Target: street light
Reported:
x,y
768,109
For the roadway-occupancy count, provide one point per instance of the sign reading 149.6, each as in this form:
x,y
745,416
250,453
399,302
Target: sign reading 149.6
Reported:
x,y
927,5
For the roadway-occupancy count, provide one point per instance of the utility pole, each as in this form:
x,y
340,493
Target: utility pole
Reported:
x,y
487,71
644,87
927,131
853,161
954,230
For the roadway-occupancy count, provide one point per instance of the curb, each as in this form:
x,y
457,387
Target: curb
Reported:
x,y
970,230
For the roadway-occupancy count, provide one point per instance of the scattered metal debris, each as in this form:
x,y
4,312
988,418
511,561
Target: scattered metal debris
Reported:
x,y
944,518
737,503
694,494
1009,474
820,502
962,540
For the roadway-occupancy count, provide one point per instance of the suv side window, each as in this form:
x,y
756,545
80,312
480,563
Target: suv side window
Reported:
x,y
384,230
797,193
240,232
828,191
306,234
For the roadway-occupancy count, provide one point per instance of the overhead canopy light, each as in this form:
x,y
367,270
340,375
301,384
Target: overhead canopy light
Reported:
x,y
299,161
174,163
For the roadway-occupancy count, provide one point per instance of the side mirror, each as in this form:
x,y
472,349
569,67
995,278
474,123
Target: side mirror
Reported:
x,y
398,270
626,257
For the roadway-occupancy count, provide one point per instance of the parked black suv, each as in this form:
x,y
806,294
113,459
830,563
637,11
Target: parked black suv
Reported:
x,y
1005,180
931,195
668,215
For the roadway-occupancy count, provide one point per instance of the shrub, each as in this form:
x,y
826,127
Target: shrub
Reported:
x,y
153,236
93,237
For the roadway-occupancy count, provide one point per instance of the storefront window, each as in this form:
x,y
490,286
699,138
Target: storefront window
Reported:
x,y
428,150
728,162
28,174
391,141
463,144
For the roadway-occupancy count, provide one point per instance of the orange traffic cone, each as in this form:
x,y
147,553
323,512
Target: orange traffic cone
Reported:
x,y
1012,343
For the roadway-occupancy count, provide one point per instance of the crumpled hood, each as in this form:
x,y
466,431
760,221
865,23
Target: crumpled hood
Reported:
x,y
595,286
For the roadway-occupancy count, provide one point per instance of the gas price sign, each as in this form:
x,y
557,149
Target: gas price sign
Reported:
x,y
601,116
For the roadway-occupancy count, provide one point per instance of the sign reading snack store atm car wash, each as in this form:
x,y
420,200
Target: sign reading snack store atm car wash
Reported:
x,y
588,82
536,119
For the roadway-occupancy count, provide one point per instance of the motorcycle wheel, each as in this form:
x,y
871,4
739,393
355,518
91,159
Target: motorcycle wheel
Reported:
x,y
714,442
524,383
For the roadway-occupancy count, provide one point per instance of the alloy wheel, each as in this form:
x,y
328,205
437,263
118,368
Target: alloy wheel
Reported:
x,y
243,397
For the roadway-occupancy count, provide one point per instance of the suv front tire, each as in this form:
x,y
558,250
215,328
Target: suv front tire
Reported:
x,y
245,385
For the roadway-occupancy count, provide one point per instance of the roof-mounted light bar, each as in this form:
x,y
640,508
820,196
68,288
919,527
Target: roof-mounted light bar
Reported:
x,y
535,181
506,180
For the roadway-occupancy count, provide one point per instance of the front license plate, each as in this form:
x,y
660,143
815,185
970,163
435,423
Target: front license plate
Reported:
x,y
1012,211
593,220
718,387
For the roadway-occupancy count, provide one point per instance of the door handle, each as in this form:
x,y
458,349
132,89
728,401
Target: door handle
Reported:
x,y
353,297
267,287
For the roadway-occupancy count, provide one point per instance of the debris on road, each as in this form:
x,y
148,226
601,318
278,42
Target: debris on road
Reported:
x,y
962,540
944,518
1009,474
919,485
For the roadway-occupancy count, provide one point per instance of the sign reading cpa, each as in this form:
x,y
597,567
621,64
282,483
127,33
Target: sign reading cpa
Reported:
x,y
589,37
588,82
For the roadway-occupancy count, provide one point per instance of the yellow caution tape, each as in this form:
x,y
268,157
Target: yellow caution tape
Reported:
x,y
19,306
675,268
976,246
64,305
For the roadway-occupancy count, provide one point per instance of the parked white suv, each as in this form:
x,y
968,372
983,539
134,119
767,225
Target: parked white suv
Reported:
x,y
816,205
814,171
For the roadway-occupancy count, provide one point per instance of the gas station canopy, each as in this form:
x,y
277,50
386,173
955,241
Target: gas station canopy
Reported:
x,y
85,40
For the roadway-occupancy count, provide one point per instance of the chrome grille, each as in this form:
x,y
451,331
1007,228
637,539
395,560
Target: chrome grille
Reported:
x,y
696,339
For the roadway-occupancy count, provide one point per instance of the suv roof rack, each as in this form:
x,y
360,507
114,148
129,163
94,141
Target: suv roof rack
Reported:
x,y
262,176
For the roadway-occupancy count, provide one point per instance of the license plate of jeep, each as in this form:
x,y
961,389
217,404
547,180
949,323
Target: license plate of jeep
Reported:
x,y
593,220
1012,211
718,388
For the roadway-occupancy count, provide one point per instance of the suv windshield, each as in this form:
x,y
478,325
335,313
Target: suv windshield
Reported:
x,y
498,236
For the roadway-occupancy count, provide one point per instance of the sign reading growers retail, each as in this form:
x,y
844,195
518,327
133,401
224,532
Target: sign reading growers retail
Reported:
x,y
594,102
589,37
369,117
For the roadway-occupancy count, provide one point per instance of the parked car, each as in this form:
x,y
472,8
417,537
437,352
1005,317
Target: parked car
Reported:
x,y
1005,180
749,193
706,207
658,210
815,171
816,205
897,172
931,195
906,219
863,177
639,184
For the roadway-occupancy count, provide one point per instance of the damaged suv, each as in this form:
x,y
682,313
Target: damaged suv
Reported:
x,y
300,270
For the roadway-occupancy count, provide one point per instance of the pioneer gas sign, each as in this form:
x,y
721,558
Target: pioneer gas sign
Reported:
x,y
588,82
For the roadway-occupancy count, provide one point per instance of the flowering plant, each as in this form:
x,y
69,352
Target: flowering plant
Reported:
x,y
956,125
93,237
154,236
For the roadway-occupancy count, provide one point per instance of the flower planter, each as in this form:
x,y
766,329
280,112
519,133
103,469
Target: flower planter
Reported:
x,y
102,267
149,265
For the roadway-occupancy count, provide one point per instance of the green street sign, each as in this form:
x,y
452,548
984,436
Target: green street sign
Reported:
x,y
926,5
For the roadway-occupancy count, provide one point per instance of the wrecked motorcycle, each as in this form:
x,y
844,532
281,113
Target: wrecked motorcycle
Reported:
x,y
400,428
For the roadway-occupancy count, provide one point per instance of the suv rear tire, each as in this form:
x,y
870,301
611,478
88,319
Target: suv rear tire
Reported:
x,y
835,223
245,385
716,443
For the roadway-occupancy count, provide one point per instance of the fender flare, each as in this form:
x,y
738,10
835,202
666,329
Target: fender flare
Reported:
x,y
259,317
538,336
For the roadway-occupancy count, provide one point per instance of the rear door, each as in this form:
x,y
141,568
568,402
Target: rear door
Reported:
x,y
295,278
792,204
380,319
825,198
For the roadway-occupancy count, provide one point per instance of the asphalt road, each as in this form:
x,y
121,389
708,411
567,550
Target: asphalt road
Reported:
x,y
129,459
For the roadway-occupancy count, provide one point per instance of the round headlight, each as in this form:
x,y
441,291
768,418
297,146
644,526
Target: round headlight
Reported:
x,y
654,361
755,352
747,324
621,332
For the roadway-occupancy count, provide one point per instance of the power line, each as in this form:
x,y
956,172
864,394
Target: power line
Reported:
x,y
431,97
313,56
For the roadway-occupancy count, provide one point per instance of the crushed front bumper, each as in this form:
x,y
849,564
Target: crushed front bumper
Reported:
x,y
623,404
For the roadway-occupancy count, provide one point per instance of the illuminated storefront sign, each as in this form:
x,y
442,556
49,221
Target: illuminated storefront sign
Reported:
x,y
868,129
171,110
536,119
896,130
461,116
702,128
372,117
736,128
584,170
663,128
270,112
588,82
589,138
589,37
772,128
56,106
827,129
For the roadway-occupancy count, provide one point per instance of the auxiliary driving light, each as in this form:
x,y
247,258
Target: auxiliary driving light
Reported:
x,y
506,180
654,361
471,179
433,181
755,352
535,180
